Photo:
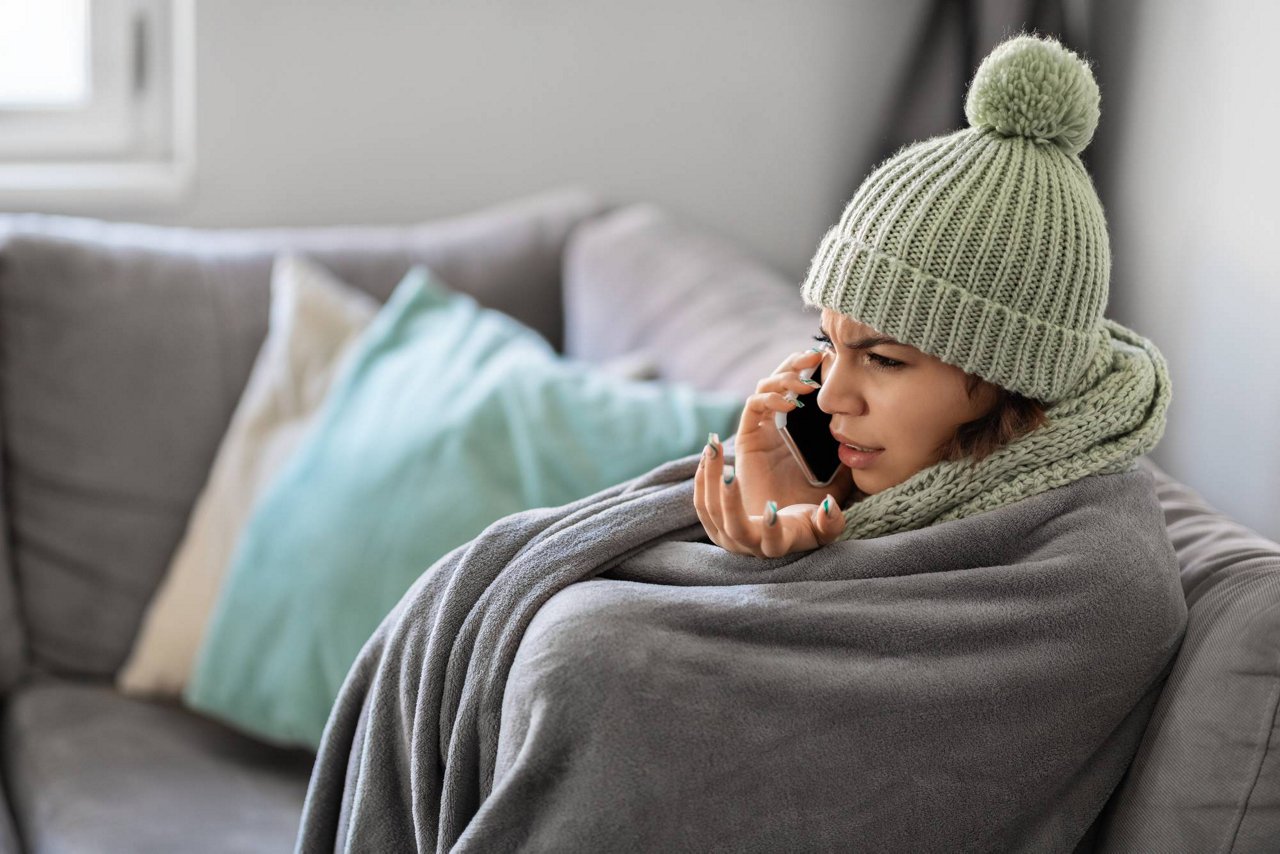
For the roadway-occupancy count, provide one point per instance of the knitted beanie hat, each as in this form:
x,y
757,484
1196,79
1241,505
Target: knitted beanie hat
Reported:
x,y
987,247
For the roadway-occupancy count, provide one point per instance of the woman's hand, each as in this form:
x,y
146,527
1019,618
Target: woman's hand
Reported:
x,y
795,528
765,471
765,467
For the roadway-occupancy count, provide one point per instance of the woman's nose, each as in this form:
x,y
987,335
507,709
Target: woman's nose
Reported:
x,y
840,392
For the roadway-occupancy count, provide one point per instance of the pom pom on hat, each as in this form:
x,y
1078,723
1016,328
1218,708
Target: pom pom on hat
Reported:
x,y
1035,87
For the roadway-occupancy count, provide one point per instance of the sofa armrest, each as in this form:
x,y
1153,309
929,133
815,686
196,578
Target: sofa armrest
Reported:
x,y
8,832
1206,776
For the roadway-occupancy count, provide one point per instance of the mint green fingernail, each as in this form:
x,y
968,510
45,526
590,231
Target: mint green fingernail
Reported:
x,y
826,506
799,403
712,441
771,513
728,475
813,383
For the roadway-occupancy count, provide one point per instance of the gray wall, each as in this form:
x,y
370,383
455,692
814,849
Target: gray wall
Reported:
x,y
1192,185
750,116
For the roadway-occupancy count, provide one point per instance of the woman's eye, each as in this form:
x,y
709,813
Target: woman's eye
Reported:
x,y
884,361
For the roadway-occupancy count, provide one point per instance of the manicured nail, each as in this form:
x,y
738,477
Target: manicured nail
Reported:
x,y
712,442
799,403
815,350
826,506
771,513
813,383
728,475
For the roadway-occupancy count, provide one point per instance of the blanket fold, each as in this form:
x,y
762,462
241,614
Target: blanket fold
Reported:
x,y
598,676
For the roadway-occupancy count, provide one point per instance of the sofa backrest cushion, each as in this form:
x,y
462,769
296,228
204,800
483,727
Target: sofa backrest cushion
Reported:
x,y
12,653
704,310
123,352
1206,776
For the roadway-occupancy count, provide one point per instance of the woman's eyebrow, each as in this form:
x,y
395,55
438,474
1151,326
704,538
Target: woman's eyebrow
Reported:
x,y
868,342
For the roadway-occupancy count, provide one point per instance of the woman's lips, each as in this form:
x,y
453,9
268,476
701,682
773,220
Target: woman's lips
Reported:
x,y
857,459
845,440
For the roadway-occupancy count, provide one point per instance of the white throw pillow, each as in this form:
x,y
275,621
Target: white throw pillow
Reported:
x,y
315,321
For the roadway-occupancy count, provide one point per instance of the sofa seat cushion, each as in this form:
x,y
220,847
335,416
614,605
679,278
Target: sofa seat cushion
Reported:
x,y
88,769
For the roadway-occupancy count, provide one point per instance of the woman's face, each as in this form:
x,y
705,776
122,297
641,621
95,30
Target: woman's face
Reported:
x,y
891,396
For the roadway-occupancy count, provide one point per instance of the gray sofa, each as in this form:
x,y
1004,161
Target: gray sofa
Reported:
x,y
123,351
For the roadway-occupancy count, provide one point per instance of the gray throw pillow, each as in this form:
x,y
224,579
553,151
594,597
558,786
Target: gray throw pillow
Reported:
x,y
638,281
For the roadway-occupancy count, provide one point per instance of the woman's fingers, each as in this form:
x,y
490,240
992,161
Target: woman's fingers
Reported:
x,y
800,528
719,503
773,534
787,384
828,521
800,361
759,409
787,376
713,463
701,490
778,393
717,497
737,524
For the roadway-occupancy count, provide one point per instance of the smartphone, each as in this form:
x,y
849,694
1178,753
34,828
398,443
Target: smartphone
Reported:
x,y
807,432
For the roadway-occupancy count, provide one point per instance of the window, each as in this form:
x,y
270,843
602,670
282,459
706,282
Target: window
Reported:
x,y
95,96
42,54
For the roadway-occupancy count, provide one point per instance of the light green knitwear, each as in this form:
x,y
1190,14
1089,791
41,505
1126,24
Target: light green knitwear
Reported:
x,y
988,249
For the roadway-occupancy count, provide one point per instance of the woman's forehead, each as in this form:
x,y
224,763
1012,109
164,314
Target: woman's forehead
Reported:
x,y
846,326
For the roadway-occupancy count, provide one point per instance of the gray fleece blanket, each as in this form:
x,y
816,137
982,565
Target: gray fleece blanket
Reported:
x,y
600,677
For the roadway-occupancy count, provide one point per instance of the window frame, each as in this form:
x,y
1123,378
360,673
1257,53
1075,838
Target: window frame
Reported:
x,y
133,140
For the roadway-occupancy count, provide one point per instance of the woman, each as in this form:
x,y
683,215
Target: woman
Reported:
x,y
982,257
967,663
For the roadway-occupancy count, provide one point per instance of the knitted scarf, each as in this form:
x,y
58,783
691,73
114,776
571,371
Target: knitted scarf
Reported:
x,y
1115,413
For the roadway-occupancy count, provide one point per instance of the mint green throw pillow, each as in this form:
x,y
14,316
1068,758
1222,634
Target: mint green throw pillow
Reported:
x,y
449,417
